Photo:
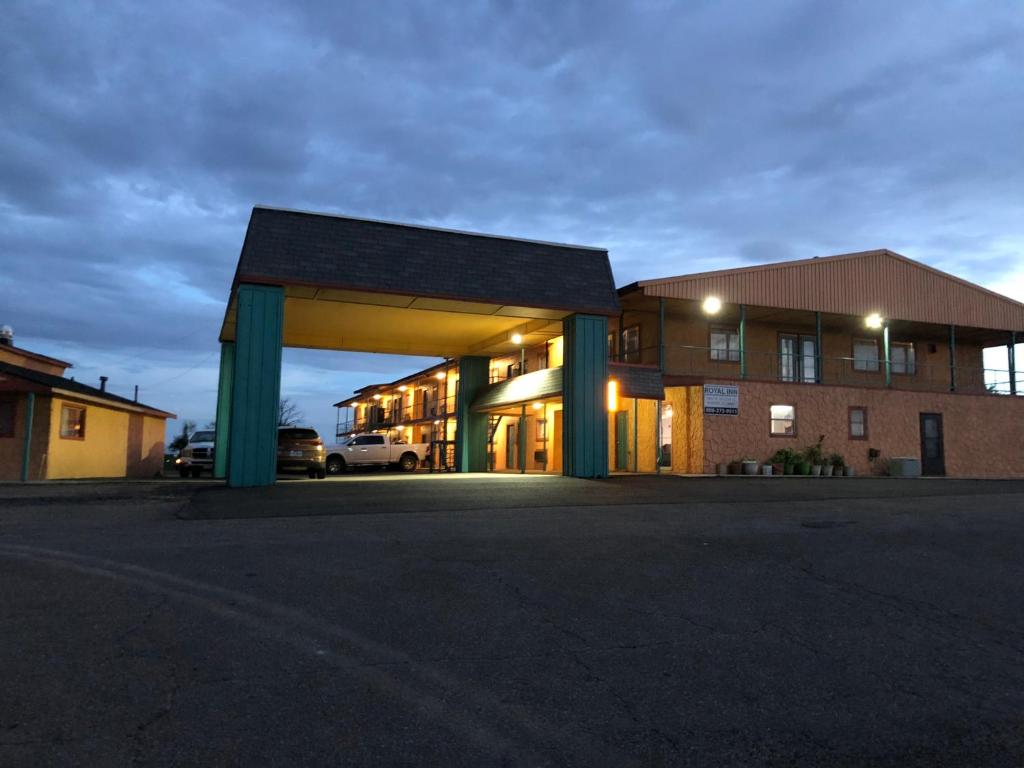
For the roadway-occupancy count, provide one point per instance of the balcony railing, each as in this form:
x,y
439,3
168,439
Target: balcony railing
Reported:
x,y
844,371
392,417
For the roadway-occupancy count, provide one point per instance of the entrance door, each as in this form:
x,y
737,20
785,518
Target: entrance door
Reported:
x,y
798,357
622,440
511,447
556,444
933,460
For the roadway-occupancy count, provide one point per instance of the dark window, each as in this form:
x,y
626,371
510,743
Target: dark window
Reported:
x,y
7,408
72,422
631,344
783,421
611,345
901,355
725,344
865,355
858,422
297,434
369,440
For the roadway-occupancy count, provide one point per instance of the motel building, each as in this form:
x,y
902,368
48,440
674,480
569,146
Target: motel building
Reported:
x,y
871,357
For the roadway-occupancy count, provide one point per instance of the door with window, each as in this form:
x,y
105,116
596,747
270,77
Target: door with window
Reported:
x,y
621,440
933,459
511,447
798,358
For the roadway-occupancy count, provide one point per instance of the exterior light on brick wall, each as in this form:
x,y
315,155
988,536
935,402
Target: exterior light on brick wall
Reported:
x,y
376,397
613,395
538,406
516,338
402,388
439,375
874,320
712,305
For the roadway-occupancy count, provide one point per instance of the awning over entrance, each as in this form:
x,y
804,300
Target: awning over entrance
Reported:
x,y
372,286
640,381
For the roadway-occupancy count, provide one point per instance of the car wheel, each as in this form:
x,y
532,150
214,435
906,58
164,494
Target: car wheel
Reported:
x,y
335,465
408,462
321,473
311,473
183,471
197,472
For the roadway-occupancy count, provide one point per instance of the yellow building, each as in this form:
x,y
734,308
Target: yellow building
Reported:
x,y
52,427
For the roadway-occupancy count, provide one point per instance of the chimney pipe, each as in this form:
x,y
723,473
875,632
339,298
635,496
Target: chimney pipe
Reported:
x,y
6,336
136,393
103,383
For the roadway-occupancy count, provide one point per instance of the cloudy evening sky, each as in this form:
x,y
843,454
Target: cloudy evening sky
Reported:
x,y
136,137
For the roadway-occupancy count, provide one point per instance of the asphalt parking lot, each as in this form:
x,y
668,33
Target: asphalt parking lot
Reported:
x,y
446,620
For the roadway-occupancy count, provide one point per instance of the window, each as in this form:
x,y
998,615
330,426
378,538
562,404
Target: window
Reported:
x,y
901,355
297,433
783,421
72,422
798,358
369,440
865,355
611,345
725,344
858,422
6,418
631,344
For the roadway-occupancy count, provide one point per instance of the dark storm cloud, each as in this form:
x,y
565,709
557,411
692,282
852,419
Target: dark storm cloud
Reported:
x,y
134,140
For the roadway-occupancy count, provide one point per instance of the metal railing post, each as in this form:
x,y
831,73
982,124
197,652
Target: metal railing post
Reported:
x,y
952,358
817,348
886,354
1012,360
743,344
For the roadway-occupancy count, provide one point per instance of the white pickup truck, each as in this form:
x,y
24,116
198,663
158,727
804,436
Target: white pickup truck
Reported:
x,y
375,450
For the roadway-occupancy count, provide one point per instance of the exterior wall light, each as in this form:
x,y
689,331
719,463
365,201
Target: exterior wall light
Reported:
x,y
376,397
402,388
354,405
712,305
613,395
439,375
516,338
400,427
874,320
538,406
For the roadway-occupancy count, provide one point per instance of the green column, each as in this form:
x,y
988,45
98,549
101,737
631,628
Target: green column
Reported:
x,y
584,393
817,347
471,428
661,368
26,452
227,376
1012,360
636,435
743,341
886,354
256,386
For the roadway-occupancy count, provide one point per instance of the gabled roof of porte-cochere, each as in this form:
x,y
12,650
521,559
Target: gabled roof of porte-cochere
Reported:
x,y
286,247
850,284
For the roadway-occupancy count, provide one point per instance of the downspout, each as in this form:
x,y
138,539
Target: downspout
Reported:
x,y
26,456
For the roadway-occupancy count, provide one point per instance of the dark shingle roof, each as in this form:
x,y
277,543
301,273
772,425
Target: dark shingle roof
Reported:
x,y
546,382
643,381
293,247
70,385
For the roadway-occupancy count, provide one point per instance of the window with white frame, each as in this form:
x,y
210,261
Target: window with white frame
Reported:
x,y
901,355
783,421
865,355
725,344
631,344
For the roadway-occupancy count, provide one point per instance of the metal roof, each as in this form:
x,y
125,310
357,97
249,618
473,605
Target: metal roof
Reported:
x,y
851,284
643,381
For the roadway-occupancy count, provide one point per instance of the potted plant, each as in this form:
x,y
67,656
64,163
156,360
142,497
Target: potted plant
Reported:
x,y
782,461
750,466
723,469
815,457
836,463
767,469
801,466
736,467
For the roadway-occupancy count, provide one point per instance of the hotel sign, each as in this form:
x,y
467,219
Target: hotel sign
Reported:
x,y
721,400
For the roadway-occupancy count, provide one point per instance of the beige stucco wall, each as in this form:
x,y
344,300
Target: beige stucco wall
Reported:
x,y
983,433
148,460
103,451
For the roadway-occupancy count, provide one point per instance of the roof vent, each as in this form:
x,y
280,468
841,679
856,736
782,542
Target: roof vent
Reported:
x,y
6,336
103,383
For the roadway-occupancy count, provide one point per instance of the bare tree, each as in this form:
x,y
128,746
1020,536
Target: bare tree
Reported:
x,y
288,413
187,428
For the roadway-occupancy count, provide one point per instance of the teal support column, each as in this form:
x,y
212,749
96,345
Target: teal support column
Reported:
x,y
584,393
952,358
886,354
743,341
255,386
1012,360
817,347
661,368
223,417
26,450
471,428
521,434
636,436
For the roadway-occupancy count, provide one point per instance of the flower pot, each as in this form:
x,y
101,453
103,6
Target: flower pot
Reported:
x,y
723,469
735,467
826,471
849,472
787,469
803,468
767,470
778,469
816,470
749,467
